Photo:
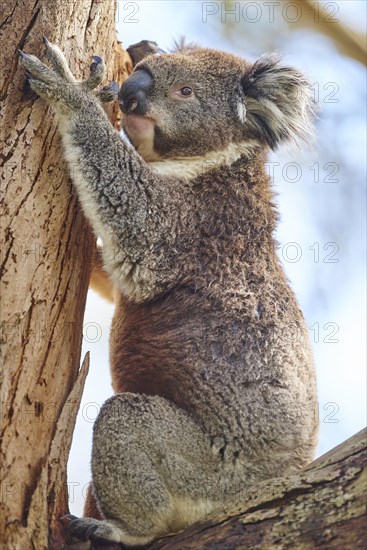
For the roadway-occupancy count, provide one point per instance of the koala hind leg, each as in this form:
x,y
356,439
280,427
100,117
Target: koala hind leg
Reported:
x,y
153,471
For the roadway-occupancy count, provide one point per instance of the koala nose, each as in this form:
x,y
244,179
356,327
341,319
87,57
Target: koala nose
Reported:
x,y
132,94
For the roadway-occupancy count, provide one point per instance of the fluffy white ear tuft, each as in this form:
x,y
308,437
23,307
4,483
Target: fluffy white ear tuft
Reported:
x,y
279,102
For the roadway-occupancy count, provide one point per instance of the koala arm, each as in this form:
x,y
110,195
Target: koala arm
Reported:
x,y
124,200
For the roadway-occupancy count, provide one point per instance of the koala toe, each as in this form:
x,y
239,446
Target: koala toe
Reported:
x,y
35,68
58,61
97,72
78,528
109,92
43,90
100,533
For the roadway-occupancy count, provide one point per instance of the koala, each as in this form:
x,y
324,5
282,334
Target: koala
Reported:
x,y
211,363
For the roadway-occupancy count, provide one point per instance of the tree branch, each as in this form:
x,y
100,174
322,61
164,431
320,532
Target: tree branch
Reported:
x,y
322,507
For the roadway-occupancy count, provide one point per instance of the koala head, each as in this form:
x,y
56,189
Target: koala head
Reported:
x,y
196,101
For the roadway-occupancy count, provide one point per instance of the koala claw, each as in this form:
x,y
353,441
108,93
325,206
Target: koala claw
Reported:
x,y
96,61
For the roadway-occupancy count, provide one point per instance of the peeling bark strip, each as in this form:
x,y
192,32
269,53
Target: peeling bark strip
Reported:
x,y
323,507
45,267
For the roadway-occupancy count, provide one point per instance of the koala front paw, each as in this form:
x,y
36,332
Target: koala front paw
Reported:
x,y
55,86
58,85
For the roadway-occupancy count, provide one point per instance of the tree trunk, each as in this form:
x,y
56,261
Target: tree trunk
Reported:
x,y
45,267
322,507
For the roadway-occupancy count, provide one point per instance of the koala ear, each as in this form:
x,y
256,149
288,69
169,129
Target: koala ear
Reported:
x,y
142,49
278,100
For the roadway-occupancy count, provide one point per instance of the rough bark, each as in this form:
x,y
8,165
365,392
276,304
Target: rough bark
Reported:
x,y
45,267
322,507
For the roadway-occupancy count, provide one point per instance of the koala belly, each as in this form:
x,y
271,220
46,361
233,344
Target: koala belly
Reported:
x,y
187,430
251,404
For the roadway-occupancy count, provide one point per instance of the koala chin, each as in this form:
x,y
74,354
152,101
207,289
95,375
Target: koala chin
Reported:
x,y
140,130
210,357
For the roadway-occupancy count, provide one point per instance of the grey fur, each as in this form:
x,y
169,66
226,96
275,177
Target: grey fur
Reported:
x,y
210,354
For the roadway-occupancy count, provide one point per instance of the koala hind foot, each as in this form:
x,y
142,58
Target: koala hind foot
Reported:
x,y
101,531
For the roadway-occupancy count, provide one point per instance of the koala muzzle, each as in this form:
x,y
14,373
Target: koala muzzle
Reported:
x,y
133,93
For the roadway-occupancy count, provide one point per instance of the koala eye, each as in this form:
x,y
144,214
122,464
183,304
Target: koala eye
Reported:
x,y
186,91
183,93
